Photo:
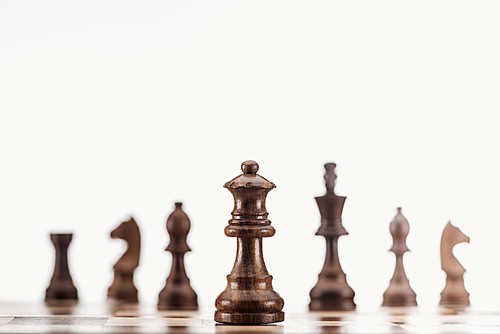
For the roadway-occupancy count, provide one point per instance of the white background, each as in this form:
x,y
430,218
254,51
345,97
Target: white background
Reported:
x,y
115,108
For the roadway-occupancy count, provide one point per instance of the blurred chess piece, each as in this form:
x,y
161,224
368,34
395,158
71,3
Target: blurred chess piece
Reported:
x,y
331,292
399,292
454,292
178,293
61,287
123,288
249,297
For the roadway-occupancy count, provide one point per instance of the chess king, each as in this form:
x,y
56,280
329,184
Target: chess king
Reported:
x,y
249,297
331,292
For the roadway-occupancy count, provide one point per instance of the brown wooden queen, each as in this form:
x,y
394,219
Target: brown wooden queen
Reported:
x,y
249,297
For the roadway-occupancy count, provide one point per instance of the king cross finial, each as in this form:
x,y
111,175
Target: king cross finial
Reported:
x,y
330,177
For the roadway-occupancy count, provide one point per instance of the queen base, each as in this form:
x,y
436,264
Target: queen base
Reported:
x,y
249,318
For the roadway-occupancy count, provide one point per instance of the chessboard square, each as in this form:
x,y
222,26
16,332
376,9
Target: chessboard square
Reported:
x,y
135,322
240,329
153,322
58,321
379,329
324,323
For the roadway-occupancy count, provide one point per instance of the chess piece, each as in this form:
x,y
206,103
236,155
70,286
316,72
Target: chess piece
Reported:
x,y
331,292
123,288
399,292
61,285
178,293
249,297
454,292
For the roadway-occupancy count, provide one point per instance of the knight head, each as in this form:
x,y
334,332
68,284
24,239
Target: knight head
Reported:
x,y
125,229
454,234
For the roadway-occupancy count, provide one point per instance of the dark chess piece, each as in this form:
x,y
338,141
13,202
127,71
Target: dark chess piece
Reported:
x,y
123,288
61,285
249,297
399,292
178,293
454,292
331,292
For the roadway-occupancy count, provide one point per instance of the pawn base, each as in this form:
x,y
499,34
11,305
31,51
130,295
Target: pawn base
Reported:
x,y
123,300
67,292
177,307
332,294
454,300
332,305
402,300
178,297
249,318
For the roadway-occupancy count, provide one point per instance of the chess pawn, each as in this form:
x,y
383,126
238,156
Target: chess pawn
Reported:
x,y
399,292
61,285
123,288
331,292
454,292
178,293
249,297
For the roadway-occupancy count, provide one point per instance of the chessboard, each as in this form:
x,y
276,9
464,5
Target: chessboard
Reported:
x,y
110,318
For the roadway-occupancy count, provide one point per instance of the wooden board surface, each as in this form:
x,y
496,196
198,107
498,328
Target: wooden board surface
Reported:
x,y
108,318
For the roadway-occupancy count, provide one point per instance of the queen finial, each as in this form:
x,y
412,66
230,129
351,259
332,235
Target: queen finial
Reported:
x,y
250,167
330,177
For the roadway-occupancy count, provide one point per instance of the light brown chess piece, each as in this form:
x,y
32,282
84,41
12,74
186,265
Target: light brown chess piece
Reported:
x,y
123,288
178,293
331,292
454,292
249,297
399,292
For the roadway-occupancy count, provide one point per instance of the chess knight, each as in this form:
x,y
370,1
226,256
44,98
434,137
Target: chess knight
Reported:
x,y
454,292
123,288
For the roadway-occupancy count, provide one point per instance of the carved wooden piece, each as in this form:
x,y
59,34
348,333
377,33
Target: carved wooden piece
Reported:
x,y
249,297
61,285
123,288
331,292
399,292
178,293
454,292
